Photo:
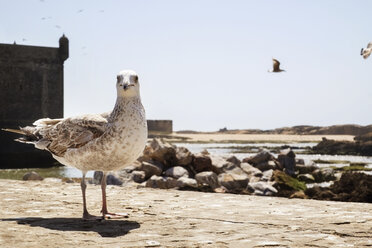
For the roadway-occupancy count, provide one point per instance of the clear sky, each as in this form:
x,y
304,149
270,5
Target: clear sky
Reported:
x,y
203,64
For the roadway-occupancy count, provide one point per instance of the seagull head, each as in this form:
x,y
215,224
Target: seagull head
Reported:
x,y
127,84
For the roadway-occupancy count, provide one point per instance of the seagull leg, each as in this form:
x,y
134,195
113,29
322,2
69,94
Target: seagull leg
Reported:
x,y
105,213
86,215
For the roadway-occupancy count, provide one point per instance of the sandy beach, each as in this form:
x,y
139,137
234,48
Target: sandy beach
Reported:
x,y
47,214
221,137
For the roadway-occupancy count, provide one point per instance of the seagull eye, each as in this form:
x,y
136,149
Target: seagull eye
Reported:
x,y
135,78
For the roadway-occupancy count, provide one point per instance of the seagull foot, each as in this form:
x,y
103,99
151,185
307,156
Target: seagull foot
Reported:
x,y
115,215
87,216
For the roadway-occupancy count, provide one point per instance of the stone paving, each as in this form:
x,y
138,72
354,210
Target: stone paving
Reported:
x,y
47,214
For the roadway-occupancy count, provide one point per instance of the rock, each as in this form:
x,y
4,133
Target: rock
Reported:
x,y
268,165
32,176
306,168
205,152
160,151
110,179
233,182
184,156
263,156
262,188
234,160
152,168
287,160
326,146
250,170
267,175
220,164
307,178
184,182
161,182
299,194
285,184
207,178
177,172
356,187
138,176
202,163
323,175
135,166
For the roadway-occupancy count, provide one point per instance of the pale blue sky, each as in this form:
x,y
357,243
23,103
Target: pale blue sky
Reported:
x,y
203,64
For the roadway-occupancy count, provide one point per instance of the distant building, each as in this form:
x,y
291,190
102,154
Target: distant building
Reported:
x,y
31,83
160,126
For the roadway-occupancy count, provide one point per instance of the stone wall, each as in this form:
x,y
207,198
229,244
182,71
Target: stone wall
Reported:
x,y
160,126
31,82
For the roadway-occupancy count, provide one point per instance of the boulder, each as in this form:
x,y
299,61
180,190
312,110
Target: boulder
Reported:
x,y
233,182
306,167
268,165
285,184
251,170
323,175
160,151
287,160
262,156
262,188
184,182
184,156
202,163
299,194
267,175
234,160
152,168
161,182
307,178
177,172
138,176
32,176
110,179
207,178
221,164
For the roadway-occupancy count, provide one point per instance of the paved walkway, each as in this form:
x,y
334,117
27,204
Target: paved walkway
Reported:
x,y
47,214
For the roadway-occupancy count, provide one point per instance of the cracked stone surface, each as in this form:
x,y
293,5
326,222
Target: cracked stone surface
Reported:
x,y
48,214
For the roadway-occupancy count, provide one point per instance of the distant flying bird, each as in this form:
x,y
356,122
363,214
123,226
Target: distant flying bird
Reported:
x,y
101,142
80,10
276,65
366,52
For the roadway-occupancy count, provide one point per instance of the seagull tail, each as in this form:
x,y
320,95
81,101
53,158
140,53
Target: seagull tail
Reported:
x,y
28,136
18,131
361,52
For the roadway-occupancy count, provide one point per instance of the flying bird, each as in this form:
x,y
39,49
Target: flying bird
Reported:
x,y
276,66
366,52
102,142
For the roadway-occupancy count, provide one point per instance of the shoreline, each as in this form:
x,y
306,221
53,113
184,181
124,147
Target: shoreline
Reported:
x,y
239,138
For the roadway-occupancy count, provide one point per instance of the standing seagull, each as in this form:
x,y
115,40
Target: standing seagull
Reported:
x,y
366,52
276,65
102,142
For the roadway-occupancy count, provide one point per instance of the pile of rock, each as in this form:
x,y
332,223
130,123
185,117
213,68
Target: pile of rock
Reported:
x,y
166,166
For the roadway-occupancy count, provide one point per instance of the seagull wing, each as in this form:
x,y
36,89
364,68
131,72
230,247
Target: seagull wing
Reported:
x,y
58,135
276,65
369,45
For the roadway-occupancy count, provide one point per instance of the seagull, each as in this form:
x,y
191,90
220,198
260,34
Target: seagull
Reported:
x,y
102,142
276,65
366,52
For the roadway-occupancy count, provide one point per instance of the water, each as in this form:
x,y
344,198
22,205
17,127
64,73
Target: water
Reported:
x,y
57,171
